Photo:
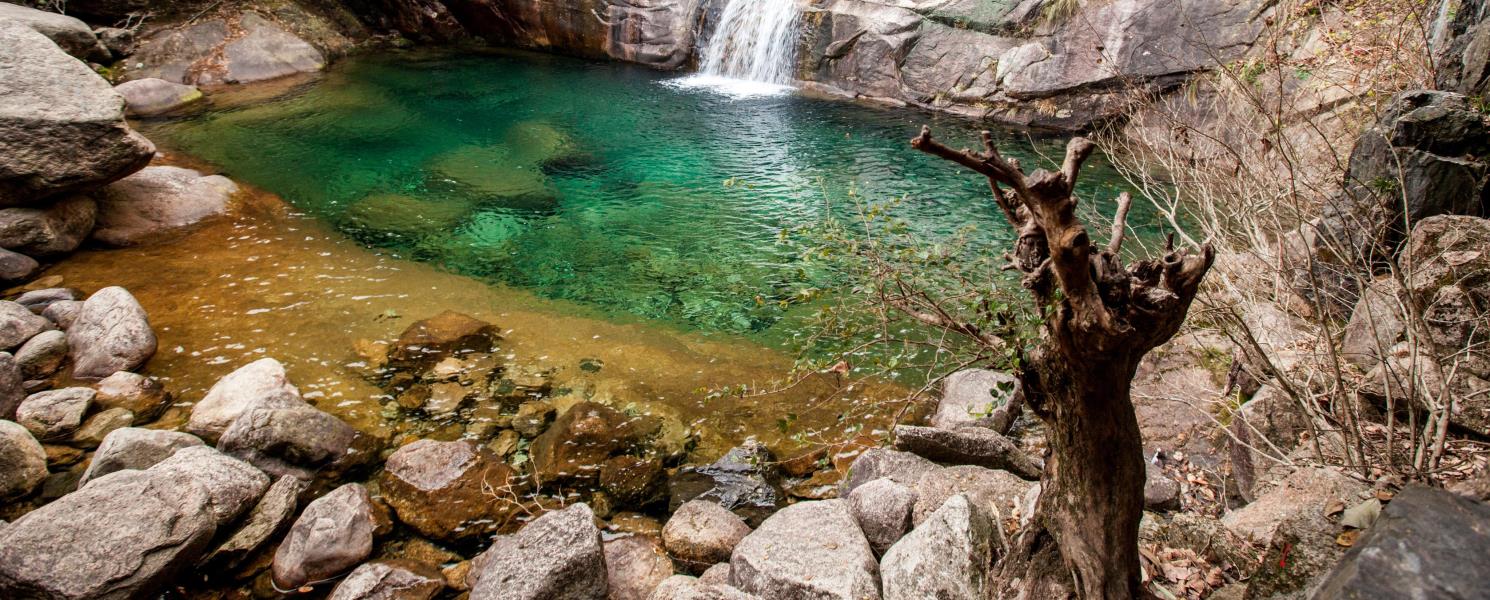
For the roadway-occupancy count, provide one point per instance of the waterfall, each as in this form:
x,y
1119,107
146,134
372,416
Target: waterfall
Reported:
x,y
752,50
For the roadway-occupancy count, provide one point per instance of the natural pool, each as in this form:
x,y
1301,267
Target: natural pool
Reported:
x,y
597,183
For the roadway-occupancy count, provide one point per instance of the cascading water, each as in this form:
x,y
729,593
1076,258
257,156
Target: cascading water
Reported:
x,y
752,50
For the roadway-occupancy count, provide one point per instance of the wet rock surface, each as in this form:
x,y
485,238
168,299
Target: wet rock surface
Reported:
x,y
742,481
450,490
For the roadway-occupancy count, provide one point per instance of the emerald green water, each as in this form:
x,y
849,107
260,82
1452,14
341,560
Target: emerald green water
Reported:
x,y
594,182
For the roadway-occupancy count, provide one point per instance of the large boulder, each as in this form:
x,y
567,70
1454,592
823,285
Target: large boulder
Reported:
x,y
259,384
151,96
634,567
1427,544
1268,424
237,49
947,556
135,448
42,355
882,508
48,231
23,462
111,334
68,33
807,550
157,202
128,534
18,325
62,126
971,396
16,267
332,535
903,468
1292,523
55,414
557,556
392,579
296,441
443,489
997,493
702,533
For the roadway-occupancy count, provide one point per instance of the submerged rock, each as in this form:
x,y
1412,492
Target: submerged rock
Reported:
x,y
332,535
807,550
557,556
702,533
742,481
111,334
444,490
400,216
135,448
23,462
100,425
141,395
157,202
576,445
62,126
259,384
447,334
151,96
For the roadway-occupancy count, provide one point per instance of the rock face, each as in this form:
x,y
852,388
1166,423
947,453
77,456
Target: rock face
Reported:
x,y
111,334
54,414
882,508
213,51
332,535
150,96
441,489
557,556
947,556
1269,415
702,533
390,580
135,448
259,384
23,462
48,231
128,534
807,550
1426,544
634,567
970,396
61,125
157,202
70,34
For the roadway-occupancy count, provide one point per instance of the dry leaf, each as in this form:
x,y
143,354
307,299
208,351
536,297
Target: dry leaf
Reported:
x,y
1347,538
1335,507
1385,495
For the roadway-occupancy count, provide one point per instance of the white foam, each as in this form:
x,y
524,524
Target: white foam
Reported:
x,y
729,86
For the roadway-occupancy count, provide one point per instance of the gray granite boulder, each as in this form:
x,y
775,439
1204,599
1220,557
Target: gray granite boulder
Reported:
x,y
214,51
807,550
38,300
683,587
48,231
62,126
297,441
16,267
1427,544
128,534
135,448
42,355
111,334
634,567
948,556
557,556
332,535
68,33
903,468
157,202
971,396
55,414
997,493
702,533
270,516
12,386
882,508
151,96
18,324
391,579
259,384
23,462
63,313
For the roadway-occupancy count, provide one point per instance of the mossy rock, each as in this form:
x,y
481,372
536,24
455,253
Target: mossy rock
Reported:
x,y
403,216
539,143
500,179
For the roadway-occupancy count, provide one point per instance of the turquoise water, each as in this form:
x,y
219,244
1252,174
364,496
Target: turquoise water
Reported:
x,y
594,182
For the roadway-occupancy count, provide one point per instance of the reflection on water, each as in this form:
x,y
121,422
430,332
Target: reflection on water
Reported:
x,y
593,183
270,283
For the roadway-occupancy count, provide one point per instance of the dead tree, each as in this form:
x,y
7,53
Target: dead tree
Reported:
x,y
1100,319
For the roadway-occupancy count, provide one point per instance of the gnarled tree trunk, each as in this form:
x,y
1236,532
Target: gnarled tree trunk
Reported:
x,y
1101,318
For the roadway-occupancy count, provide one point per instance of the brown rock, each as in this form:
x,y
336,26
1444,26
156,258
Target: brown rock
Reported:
x,y
574,447
447,334
450,490
632,480
141,395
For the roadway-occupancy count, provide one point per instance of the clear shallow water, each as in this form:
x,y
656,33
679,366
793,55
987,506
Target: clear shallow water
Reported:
x,y
594,183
